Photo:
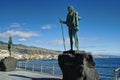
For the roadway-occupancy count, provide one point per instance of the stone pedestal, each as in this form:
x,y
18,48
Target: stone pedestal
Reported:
x,y
77,65
8,64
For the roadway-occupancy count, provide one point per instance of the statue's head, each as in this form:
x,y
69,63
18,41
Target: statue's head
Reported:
x,y
10,38
70,8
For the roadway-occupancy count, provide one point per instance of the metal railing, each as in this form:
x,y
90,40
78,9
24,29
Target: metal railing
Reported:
x,y
39,68
52,69
108,72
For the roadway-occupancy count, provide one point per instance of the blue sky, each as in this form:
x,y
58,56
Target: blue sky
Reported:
x,y
36,23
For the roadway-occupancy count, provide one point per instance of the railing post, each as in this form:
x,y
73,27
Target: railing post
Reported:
x,y
33,67
25,65
53,69
115,75
40,68
19,65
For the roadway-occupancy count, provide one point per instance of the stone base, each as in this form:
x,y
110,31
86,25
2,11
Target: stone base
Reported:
x,y
8,64
77,65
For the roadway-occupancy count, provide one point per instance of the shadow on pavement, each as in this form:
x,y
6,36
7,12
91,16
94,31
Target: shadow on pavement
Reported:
x,y
22,76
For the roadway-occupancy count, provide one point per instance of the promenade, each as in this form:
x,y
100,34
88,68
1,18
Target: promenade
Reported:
x,y
26,75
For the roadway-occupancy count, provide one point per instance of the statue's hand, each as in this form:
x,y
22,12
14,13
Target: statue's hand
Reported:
x,y
61,21
77,28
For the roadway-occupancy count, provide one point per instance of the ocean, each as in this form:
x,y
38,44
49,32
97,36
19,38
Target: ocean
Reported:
x,y
104,66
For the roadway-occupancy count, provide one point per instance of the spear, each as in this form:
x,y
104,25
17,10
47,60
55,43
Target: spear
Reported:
x,y
63,36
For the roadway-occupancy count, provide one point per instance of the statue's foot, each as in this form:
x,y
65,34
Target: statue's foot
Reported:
x,y
71,50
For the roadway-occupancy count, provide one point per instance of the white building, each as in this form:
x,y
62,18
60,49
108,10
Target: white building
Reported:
x,y
4,53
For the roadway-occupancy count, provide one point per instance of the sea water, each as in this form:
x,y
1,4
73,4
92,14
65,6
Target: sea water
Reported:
x,y
104,66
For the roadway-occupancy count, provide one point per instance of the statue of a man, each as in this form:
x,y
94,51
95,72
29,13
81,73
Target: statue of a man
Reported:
x,y
72,23
10,45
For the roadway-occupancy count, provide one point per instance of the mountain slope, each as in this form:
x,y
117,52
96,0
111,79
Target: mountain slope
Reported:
x,y
23,49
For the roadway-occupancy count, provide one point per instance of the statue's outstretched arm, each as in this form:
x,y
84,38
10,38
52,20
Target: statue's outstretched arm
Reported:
x,y
61,21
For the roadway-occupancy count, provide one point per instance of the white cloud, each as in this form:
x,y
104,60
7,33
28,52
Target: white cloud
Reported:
x,y
22,39
14,26
88,47
67,41
55,42
38,42
107,52
48,26
22,34
88,39
58,42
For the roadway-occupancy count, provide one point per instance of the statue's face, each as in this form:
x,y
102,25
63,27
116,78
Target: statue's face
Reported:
x,y
70,9
9,37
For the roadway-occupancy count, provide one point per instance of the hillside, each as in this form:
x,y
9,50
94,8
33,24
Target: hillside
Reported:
x,y
28,50
23,49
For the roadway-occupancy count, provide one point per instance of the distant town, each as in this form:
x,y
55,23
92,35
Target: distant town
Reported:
x,y
19,56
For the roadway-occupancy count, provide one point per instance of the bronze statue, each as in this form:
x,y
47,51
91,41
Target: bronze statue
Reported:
x,y
10,46
72,23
